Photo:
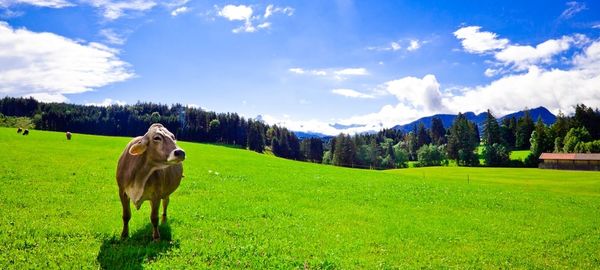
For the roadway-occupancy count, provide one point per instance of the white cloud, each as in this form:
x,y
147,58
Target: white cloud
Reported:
x,y
337,74
352,72
46,65
475,41
245,13
179,10
236,13
410,45
48,97
414,45
239,13
596,26
110,36
572,9
490,72
107,102
271,9
112,10
39,3
264,25
423,94
525,56
297,70
514,57
351,93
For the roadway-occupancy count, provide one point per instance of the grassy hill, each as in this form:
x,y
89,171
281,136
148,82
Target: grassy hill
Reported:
x,y
237,208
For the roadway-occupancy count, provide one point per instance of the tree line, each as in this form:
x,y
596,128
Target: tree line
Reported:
x,y
463,144
388,148
187,123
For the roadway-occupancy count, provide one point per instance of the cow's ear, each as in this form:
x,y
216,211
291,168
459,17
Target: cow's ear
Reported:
x,y
138,148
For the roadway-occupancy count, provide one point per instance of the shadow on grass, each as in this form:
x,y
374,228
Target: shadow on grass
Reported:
x,y
138,249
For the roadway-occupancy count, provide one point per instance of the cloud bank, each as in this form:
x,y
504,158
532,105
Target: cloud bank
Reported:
x,y
48,66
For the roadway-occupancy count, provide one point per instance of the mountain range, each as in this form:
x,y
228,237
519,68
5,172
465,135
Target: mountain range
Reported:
x,y
547,117
447,119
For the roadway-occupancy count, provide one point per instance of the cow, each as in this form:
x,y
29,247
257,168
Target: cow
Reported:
x,y
149,169
25,132
68,135
19,130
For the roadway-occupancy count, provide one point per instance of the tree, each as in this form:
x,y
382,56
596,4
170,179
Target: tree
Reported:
x,y
491,130
345,151
589,119
508,131
463,141
575,136
437,132
256,137
312,149
328,157
496,155
431,155
374,154
541,141
422,136
524,128
411,143
401,155
389,156
213,130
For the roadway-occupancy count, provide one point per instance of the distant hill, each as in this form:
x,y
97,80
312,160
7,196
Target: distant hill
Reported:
x,y
547,117
307,135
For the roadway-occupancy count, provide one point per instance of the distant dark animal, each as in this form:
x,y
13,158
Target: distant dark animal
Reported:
x,y
26,132
19,130
68,135
149,169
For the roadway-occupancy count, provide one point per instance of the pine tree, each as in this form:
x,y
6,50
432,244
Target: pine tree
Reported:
x,y
438,132
524,128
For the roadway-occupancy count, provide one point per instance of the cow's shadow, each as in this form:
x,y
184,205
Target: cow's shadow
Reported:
x,y
138,249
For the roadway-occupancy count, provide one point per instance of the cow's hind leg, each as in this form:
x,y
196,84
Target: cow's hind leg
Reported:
x,y
165,204
126,213
155,204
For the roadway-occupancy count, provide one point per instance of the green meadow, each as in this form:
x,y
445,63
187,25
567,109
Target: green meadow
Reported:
x,y
239,209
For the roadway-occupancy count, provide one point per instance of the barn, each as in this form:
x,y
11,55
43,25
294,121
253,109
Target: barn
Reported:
x,y
570,161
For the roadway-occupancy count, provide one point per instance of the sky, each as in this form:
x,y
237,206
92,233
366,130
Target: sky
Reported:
x,y
318,66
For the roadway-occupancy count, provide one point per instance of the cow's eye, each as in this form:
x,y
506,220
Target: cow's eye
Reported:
x,y
157,138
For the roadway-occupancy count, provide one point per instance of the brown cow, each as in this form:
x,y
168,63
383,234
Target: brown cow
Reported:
x,y
149,169
68,135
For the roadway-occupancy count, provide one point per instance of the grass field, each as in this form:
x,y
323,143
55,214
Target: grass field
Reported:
x,y
236,208
519,154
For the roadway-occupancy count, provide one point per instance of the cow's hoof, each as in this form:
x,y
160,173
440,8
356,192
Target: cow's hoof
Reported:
x,y
124,235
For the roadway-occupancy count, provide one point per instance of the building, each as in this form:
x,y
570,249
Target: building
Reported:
x,y
589,162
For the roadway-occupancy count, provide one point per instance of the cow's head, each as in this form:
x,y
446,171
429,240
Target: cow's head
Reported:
x,y
160,147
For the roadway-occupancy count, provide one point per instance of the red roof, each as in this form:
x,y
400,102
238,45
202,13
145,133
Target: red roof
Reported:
x,y
570,156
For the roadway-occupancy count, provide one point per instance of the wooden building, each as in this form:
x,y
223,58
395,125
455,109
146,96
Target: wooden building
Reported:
x,y
588,162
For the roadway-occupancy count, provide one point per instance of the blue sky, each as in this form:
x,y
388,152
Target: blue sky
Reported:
x,y
306,64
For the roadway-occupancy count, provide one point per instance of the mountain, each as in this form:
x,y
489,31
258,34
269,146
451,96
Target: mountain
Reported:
x,y
307,135
341,126
547,117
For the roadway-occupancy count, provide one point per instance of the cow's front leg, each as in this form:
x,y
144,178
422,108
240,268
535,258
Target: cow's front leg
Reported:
x,y
155,204
126,213
165,204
